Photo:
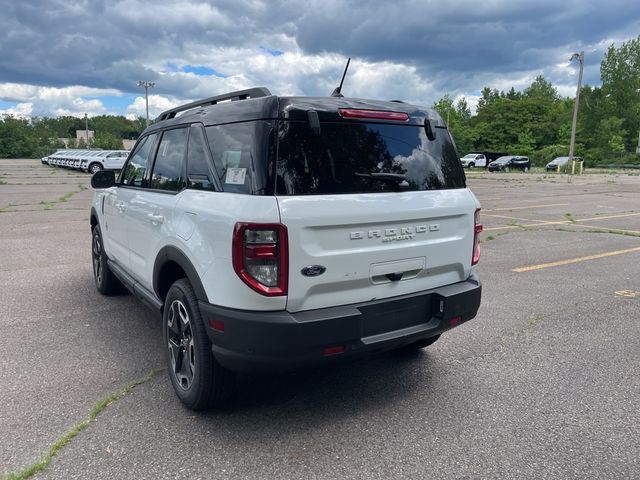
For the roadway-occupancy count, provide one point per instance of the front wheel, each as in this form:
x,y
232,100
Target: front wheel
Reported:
x,y
526,169
94,167
472,165
199,381
506,169
106,282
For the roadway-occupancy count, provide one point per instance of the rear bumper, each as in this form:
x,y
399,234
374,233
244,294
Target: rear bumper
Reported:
x,y
282,341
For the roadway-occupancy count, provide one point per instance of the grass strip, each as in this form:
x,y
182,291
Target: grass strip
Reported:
x,y
64,198
59,444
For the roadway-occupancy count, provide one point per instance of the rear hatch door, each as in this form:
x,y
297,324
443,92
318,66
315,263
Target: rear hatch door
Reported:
x,y
373,210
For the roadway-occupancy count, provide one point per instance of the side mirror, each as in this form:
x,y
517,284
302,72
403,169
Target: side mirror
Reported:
x,y
103,179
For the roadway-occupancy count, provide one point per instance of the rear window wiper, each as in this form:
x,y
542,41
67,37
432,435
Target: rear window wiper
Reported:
x,y
384,176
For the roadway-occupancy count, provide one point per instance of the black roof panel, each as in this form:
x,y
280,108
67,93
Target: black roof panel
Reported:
x,y
270,107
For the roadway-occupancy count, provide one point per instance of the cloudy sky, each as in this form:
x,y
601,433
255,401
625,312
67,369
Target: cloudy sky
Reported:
x,y
62,57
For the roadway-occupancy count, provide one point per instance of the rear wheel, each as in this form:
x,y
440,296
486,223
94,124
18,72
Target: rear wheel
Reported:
x,y
199,381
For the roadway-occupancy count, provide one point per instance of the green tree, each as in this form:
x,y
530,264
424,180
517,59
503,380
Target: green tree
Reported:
x,y
107,141
463,110
525,143
488,97
541,89
513,95
445,108
612,134
620,74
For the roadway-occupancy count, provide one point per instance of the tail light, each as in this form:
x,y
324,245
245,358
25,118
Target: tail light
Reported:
x,y
373,114
477,230
261,257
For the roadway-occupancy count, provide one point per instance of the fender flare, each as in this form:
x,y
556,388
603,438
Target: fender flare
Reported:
x,y
171,253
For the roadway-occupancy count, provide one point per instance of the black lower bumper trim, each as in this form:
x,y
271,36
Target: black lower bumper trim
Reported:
x,y
282,341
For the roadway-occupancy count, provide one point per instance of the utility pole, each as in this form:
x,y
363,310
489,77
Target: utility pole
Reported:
x,y
147,86
580,58
86,129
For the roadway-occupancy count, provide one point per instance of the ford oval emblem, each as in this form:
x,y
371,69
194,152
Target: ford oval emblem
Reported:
x,y
313,270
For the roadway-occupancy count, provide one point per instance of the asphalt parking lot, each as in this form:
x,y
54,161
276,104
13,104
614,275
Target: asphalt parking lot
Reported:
x,y
544,383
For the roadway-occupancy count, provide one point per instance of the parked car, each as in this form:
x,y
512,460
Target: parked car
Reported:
x,y
107,160
279,233
472,160
45,160
88,160
553,165
510,162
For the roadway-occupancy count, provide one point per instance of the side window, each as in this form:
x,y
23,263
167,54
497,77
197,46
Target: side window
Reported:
x,y
198,171
241,154
167,169
138,164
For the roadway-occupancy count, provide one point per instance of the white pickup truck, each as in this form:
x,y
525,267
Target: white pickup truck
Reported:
x,y
471,160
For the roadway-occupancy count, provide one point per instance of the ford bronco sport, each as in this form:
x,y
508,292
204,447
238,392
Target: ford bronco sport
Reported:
x,y
276,233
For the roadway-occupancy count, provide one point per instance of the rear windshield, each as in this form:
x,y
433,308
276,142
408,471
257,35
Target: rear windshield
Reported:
x,y
364,158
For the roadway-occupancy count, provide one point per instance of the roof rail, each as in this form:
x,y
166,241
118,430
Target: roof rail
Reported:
x,y
239,95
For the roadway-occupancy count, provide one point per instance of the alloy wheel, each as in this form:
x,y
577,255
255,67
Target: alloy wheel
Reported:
x,y
182,353
97,258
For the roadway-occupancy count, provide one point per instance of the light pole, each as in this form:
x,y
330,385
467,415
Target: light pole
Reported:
x,y
580,58
86,129
147,86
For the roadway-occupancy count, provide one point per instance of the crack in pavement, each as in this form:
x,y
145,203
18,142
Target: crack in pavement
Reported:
x,y
59,444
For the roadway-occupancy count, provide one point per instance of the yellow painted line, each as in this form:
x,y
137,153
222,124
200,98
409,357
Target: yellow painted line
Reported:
x,y
574,260
609,216
524,208
493,215
627,293
608,229
506,227
543,223
540,224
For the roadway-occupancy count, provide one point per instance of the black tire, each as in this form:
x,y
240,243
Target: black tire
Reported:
x,y
94,167
506,169
415,346
199,381
472,165
106,282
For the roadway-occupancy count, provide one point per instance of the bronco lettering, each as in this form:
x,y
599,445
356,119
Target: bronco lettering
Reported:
x,y
393,234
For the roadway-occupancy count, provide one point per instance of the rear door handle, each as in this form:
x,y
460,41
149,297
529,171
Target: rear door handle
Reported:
x,y
155,219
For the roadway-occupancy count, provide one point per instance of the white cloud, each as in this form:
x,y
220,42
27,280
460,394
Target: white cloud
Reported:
x,y
21,110
16,92
52,101
401,50
157,105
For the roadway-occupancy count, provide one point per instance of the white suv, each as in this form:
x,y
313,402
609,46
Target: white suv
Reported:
x,y
276,233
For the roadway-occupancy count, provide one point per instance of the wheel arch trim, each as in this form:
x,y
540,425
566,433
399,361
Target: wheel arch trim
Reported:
x,y
170,253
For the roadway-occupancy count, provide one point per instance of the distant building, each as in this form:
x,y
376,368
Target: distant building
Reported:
x,y
128,144
82,135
